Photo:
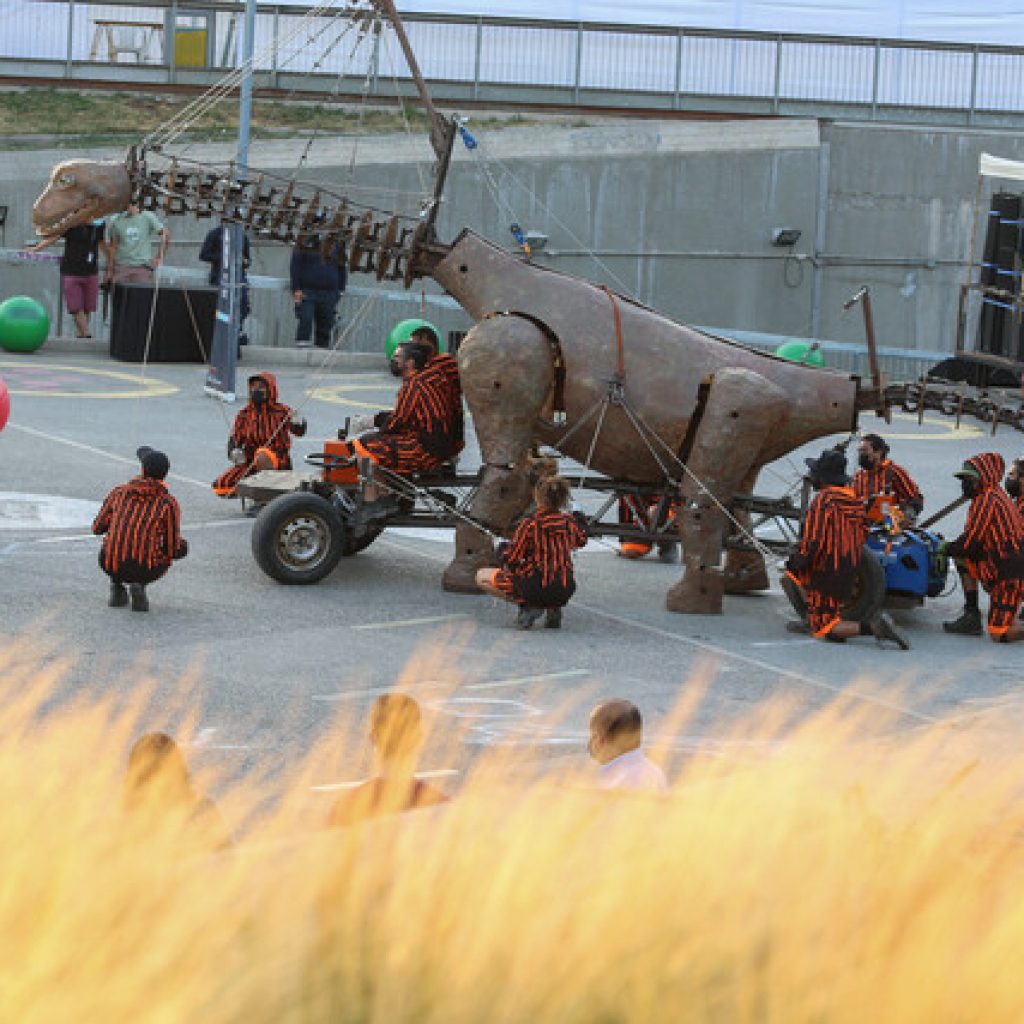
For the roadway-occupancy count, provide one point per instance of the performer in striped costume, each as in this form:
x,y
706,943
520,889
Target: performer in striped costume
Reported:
x,y
261,435
141,526
824,567
990,552
879,476
537,571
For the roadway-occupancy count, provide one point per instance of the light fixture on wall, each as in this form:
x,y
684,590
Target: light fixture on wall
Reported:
x,y
785,238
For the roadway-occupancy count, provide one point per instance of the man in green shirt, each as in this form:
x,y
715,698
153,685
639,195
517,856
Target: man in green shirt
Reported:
x,y
136,246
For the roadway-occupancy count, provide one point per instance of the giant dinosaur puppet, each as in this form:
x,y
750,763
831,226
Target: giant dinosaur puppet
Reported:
x,y
551,358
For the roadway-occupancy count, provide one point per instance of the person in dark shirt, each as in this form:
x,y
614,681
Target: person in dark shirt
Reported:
x,y
141,527
79,271
211,253
317,279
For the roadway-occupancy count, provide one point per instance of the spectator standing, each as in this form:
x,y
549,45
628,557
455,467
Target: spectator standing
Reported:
x,y
136,244
79,271
317,279
616,733
213,247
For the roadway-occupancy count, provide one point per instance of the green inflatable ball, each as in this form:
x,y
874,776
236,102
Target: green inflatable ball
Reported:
x,y
805,352
401,331
24,324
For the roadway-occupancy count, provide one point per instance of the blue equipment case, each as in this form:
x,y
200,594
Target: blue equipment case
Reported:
x,y
911,561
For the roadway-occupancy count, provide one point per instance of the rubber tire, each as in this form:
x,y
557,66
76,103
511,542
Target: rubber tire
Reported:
x,y
275,516
353,547
869,593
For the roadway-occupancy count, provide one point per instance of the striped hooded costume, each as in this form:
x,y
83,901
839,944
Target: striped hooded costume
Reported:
x,y
992,544
266,429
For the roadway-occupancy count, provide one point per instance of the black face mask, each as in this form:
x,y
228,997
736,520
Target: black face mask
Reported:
x,y
258,397
969,486
865,461
1012,485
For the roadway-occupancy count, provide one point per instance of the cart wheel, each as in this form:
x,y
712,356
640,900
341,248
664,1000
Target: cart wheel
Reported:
x,y
869,590
352,546
297,538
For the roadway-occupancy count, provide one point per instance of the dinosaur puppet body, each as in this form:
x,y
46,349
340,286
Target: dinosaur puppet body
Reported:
x,y
646,401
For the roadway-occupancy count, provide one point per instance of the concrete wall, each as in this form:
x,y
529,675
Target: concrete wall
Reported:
x,y
679,214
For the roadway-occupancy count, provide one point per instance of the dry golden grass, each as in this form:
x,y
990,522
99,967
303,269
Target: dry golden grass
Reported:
x,y
848,873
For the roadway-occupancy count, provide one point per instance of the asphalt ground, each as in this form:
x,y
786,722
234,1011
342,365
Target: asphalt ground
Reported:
x,y
272,666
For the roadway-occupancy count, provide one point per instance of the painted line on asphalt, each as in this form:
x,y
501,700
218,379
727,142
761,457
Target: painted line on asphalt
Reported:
x,y
721,652
186,528
205,484
333,787
550,677
396,623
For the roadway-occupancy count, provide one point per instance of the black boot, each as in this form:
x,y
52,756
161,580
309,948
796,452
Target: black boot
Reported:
x,y
553,618
137,592
527,616
969,623
118,595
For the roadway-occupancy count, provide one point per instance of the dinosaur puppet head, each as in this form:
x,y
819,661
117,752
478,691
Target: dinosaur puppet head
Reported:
x,y
78,192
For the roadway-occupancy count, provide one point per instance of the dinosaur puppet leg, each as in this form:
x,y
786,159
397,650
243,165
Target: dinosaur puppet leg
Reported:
x,y
507,374
742,409
745,570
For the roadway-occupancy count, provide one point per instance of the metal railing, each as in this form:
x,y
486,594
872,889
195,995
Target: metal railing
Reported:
x,y
512,61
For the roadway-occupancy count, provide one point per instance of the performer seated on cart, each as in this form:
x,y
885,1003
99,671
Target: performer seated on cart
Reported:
x,y
823,570
537,571
261,436
425,428
880,482
442,371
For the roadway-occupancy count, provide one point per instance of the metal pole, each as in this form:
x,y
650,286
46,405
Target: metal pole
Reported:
x,y
245,101
69,55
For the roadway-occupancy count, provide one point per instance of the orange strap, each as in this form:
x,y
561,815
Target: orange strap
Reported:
x,y
618,330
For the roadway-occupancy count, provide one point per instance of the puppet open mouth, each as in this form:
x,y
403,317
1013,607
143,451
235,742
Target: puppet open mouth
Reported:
x,y
58,227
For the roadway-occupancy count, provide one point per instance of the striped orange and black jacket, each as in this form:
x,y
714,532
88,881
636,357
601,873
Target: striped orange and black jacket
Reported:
x,y
542,547
142,524
888,478
993,537
265,426
831,542
448,433
415,437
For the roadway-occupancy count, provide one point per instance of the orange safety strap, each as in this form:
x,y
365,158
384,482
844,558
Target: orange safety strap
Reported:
x,y
618,330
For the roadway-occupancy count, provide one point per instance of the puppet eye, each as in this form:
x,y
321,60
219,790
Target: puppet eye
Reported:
x,y
66,180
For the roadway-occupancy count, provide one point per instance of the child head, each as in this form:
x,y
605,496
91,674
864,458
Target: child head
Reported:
x,y
552,493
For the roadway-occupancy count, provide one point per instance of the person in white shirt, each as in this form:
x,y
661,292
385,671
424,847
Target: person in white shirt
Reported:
x,y
616,732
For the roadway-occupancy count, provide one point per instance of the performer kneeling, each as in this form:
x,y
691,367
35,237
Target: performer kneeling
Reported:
x,y
261,436
537,571
142,523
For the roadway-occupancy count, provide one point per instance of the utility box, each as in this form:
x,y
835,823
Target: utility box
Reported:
x,y
190,47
